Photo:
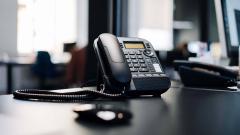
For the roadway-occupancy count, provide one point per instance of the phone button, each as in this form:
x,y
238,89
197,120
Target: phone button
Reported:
x,y
136,65
143,65
128,60
134,75
132,69
121,45
147,45
148,75
148,52
157,68
151,69
130,65
154,60
134,61
148,60
138,53
141,75
156,75
141,61
131,52
143,69
133,57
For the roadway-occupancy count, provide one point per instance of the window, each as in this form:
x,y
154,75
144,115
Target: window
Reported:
x,y
152,20
47,24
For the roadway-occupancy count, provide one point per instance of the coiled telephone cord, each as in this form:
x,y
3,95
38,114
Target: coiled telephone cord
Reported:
x,y
58,95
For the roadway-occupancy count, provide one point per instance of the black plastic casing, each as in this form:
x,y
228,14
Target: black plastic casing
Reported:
x,y
133,85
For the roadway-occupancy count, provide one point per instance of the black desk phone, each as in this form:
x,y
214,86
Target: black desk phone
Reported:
x,y
196,74
129,64
126,67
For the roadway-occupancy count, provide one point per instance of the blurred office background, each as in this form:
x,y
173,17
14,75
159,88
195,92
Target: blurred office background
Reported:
x,y
47,44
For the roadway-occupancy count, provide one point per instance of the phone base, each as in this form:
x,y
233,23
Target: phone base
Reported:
x,y
154,86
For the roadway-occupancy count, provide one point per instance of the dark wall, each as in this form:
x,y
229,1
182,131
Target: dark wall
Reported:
x,y
212,21
98,23
187,10
203,17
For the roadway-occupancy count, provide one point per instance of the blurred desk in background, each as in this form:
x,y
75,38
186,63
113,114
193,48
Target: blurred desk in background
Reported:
x,y
17,69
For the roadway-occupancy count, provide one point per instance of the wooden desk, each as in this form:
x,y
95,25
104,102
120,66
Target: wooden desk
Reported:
x,y
180,111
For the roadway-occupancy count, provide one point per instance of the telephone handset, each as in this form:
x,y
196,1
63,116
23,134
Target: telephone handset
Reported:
x,y
126,67
115,70
129,65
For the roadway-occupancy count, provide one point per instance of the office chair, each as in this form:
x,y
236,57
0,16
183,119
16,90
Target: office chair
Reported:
x,y
43,68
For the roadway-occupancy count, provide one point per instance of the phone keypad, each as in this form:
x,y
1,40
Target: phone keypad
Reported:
x,y
135,61
141,65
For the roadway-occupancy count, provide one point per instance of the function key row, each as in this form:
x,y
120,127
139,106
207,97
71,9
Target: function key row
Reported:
x,y
137,65
132,52
135,61
134,57
146,75
139,69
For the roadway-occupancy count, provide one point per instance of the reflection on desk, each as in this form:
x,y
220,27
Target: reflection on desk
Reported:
x,y
180,111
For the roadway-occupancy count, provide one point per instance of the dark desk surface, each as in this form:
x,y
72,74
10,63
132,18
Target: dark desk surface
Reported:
x,y
180,111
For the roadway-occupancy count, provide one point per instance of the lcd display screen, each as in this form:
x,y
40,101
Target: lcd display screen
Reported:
x,y
134,45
